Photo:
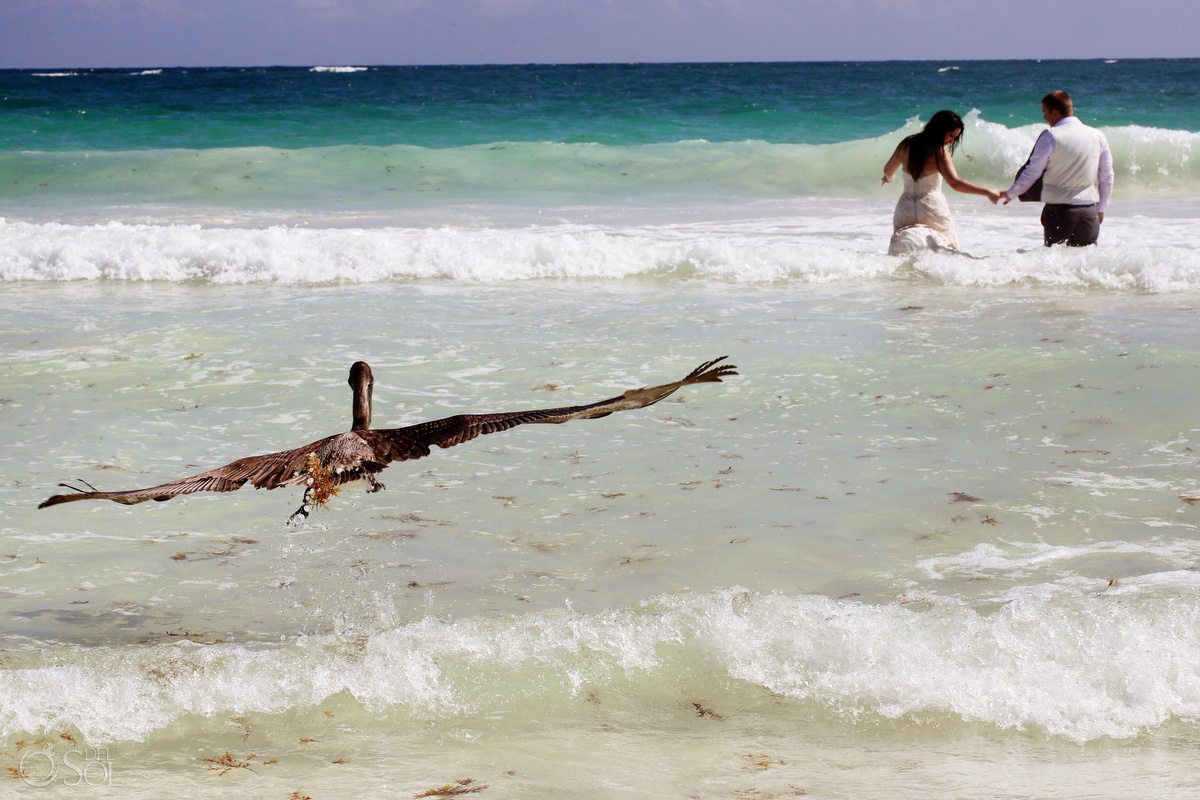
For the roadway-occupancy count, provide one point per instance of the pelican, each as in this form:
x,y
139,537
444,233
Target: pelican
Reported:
x,y
362,452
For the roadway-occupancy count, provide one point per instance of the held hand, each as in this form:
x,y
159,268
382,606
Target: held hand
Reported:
x,y
994,196
1007,199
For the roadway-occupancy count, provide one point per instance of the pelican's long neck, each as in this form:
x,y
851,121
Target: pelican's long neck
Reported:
x,y
362,382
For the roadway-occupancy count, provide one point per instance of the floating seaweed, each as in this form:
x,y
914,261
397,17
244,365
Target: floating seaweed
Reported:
x,y
244,724
462,786
227,763
322,482
761,761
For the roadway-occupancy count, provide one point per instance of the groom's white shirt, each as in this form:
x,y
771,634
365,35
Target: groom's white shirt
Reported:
x,y
1040,159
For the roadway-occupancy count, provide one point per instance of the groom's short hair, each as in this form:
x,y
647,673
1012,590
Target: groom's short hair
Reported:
x,y
1059,101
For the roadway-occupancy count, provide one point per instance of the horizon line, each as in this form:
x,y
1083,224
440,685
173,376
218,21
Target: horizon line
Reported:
x,y
369,65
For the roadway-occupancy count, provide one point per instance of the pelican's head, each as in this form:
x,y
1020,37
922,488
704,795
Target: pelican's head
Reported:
x,y
361,383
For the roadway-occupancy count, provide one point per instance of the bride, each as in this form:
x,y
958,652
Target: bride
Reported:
x,y
922,219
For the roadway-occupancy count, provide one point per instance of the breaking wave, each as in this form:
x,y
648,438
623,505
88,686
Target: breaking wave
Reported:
x,y
1033,663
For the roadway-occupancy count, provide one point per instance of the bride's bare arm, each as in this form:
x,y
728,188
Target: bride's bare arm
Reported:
x,y
946,166
893,164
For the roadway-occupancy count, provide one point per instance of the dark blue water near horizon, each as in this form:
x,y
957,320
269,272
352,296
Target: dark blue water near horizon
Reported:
x,y
612,104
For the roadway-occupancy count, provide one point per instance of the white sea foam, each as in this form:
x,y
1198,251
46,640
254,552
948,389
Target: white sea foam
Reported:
x,y
338,69
833,249
1031,664
1019,559
1099,483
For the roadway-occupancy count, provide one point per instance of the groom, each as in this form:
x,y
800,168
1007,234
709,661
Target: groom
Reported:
x,y
1076,168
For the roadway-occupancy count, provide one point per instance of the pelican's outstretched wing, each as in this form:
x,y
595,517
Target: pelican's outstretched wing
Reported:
x,y
405,444
263,472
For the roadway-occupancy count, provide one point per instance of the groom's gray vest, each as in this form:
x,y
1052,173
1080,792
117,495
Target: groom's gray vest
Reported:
x,y
1070,177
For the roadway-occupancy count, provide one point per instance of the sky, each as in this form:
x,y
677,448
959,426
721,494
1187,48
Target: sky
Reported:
x,y
168,33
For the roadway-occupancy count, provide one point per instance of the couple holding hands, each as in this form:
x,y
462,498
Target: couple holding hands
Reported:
x,y
1070,170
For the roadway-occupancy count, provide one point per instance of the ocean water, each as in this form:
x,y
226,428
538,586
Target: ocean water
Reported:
x,y
938,539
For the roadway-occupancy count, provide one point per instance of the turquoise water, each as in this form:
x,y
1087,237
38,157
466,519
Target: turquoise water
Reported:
x,y
443,107
379,140
937,539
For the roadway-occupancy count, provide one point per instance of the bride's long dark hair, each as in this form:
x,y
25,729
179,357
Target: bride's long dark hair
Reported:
x,y
932,139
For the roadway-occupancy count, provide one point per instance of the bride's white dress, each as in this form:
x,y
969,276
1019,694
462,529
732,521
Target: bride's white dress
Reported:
x,y
922,219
